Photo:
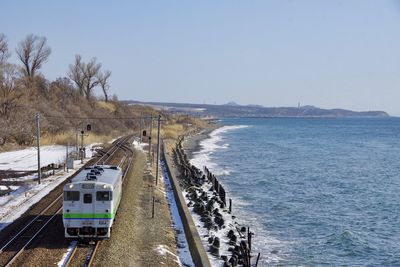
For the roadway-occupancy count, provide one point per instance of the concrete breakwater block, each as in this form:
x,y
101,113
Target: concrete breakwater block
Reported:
x,y
233,261
214,248
219,220
233,240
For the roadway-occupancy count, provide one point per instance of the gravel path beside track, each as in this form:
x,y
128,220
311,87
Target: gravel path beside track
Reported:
x,y
136,238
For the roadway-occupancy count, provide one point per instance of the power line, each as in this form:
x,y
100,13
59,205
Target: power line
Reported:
x,y
99,118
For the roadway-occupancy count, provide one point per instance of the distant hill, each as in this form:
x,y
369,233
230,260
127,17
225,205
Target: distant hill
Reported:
x,y
232,104
232,109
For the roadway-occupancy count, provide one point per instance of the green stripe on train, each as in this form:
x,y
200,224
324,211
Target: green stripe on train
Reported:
x,y
88,215
94,215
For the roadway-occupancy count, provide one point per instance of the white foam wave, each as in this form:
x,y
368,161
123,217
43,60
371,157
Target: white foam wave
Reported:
x,y
263,239
209,146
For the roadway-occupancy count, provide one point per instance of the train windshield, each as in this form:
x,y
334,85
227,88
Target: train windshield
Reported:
x,y
103,195
71,196
87,198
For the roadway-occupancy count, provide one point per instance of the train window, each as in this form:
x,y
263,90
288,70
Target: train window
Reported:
x,y
71,196
87,198
103,195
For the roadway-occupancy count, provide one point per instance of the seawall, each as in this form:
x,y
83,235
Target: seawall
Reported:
x,y
197,251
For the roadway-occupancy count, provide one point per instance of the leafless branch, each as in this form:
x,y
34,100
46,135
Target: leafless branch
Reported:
x,y
91,71
33,52
77,74
4,53
102,78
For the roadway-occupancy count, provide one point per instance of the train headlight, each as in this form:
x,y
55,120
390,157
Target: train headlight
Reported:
x,y
71,186
104,186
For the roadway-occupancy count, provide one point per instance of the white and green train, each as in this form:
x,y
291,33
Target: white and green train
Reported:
x,y
91,201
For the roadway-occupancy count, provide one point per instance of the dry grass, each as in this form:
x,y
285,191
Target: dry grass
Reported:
x,y
62,139
172,131
110,107
175,127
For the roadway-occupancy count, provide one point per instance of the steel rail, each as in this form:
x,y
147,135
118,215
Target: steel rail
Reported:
x,y
71,255
89,261
12,260
29,224
118,144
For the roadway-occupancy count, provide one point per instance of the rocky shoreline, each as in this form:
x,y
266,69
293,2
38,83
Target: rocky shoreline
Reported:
x,y
228,243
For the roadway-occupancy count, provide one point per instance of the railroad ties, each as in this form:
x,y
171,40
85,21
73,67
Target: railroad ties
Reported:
x,y
210,209
23,236
12,248
83,254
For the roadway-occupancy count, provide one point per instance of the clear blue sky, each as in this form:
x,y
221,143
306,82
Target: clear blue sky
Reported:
x,y
274,53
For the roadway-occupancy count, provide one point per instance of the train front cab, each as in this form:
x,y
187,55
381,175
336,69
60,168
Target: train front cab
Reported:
x,y
88,211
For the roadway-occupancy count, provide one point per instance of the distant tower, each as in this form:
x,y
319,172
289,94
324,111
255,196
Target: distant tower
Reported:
x,y
298,109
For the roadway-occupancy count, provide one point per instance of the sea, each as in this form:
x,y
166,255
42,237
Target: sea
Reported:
x,y
316,192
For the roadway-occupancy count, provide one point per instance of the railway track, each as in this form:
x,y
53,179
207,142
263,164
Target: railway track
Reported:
x,y
16,243
83,254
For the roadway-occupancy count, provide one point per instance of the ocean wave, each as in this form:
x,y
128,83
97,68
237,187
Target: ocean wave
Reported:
x,y
350,242
209,146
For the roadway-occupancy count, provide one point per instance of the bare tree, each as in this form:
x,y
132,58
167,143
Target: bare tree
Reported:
x,y
4,53
91,70
85,75
8,91
33,52
77,74
102,78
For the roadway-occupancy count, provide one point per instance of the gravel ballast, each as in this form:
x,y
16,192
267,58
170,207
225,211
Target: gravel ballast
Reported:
x,y
138,239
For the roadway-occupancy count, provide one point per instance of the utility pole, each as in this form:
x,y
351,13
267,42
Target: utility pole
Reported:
x,y
82,150
66,158
158,147
77,144
141,127
150,137
38,146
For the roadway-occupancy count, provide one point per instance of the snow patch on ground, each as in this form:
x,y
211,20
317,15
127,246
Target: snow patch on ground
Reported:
x,y
164,251
17,202
67,255
139,145
26,159
185,258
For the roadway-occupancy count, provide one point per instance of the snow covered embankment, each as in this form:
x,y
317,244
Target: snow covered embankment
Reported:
x,y
17,202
